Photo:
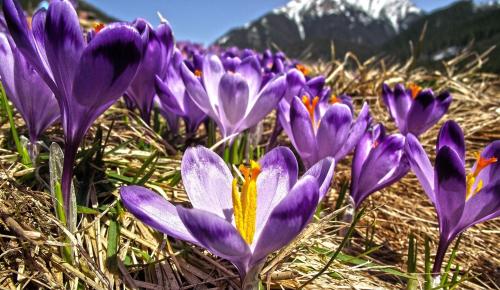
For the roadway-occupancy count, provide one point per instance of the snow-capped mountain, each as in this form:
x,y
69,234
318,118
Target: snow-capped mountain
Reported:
x,y
395,11
349,23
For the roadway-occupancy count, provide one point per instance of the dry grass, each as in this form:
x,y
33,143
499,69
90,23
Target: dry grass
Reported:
x,y
31,236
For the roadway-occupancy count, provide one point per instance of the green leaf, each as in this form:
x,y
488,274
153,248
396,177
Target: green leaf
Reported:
x,y
427,267
23,153
112,250
87,210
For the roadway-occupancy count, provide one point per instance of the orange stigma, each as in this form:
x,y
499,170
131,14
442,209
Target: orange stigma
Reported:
x,y
302,69
415,90
375,144
483,163
197,73
310,106
334,100
98,26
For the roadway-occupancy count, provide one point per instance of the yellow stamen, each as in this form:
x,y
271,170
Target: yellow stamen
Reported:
x,y
98,26
310,106
245,202
415,90
481,164
197,73
302,69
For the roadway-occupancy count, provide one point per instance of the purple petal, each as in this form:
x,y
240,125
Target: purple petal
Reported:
x,y
315,85
265,102
357,130
491,173
155,59
402,103
451,135
361,153
167,97
197,92
295,81
279,172
153,210
27,91
233,98
421,165
333,130
323,172
303,132
216,235
64,45
207,181
422,108
483,206
443,102
380,167
212,72
250,69
388,98
109,63
288,218
449,184
23,37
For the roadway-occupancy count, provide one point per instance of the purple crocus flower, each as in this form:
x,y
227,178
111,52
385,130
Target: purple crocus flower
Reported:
x,y
86,78
415,110
241,225
378,162
316,133
27,91
235,100
158,47
461,200
174,98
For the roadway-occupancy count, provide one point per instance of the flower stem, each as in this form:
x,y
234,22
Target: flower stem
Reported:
x,y
251,280
438,260
66,179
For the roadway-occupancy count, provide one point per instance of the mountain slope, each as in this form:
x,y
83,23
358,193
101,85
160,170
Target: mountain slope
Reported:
x,y
312,24
449,30
376,27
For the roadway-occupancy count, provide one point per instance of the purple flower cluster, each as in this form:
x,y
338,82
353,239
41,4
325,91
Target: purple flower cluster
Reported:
x,y
52,71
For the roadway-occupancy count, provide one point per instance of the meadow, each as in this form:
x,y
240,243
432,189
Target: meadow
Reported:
x,y
105,223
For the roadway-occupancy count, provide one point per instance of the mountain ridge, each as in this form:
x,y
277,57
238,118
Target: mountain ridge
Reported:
x,y
368,30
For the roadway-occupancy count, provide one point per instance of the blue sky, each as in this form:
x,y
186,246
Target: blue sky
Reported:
x,y
205,20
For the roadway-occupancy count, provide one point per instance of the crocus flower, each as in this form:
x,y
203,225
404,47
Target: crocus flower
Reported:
x,y
235,100
415,110
244,219
174,98
85,78
158,47
316,134
27,91
461,200
378,162
297,85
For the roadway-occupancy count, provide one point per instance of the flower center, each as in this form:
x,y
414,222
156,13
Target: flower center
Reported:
x,y
303,69
415,90
98,26
481,164
197,73
245,202
310,106
334,100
